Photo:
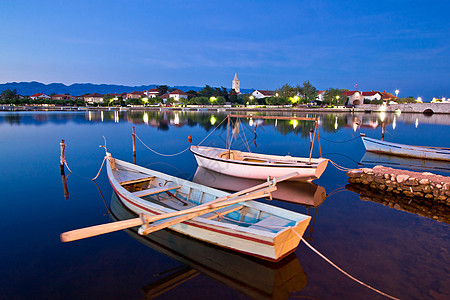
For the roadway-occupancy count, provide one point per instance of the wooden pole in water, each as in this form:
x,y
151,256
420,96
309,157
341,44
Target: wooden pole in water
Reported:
x,y
318,138
62,157
133,135
64,181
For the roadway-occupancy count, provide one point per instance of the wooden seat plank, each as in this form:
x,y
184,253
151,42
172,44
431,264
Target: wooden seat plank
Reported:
x,y
157,190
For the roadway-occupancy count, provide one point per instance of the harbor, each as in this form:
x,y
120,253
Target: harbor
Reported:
x,y
343,219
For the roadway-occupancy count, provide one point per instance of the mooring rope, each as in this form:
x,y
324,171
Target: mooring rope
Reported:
x,y
342,271
221,217
65,162
340,168
175,154
322,138
100,169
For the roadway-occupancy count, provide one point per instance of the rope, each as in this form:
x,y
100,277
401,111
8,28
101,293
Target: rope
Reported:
x,y
100,169
65,162
161,153
322,138
342,271
211,132
340,168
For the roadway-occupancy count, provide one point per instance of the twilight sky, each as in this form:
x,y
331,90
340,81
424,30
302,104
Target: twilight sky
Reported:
x,y
381,45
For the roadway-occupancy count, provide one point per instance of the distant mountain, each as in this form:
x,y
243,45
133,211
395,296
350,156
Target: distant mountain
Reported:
x,y
77,89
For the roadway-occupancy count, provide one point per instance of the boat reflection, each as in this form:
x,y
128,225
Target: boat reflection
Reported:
x,y
372,159
305,193
254,278
419,206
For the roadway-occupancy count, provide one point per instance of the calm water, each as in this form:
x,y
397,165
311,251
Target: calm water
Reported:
x,y
398,252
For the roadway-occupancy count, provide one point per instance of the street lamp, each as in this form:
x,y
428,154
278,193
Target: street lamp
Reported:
x,y
337,99
251,99
396,93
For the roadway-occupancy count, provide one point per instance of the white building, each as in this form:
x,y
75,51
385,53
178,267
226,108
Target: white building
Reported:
x,y
371,95
177,95
236,84
260,94
152,93
354,97
320,95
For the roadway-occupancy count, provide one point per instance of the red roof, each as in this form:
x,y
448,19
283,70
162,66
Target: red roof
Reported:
x,y
94,95
320,92
136,93
349,93
165,96
266,92
178,92
153,91
372,93
386,95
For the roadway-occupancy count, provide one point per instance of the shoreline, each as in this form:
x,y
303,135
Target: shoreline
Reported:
x,y
415,108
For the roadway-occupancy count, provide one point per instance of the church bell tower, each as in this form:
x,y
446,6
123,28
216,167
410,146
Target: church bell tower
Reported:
x,y
236,84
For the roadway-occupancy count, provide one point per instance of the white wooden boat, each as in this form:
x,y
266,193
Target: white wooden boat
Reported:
x,y
249,227
299,192
255,278
423,152
257,166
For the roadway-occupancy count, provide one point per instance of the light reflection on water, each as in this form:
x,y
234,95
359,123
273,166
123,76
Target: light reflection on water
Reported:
x,y
380,245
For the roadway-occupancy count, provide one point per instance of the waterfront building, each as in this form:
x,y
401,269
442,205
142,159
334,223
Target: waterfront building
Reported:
x,y
39,96
93,98
236,84
177,95
152,93
320,95
135,95
260,94
372,95
354,97
63,97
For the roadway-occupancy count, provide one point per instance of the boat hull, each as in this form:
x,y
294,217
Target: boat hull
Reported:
x,y
261,244
383,147
256,170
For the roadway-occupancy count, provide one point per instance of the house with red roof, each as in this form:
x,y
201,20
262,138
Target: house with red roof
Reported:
x,y
135,95
373,95
39,96
93,98
354,97
63,97
261,94
320,95
177,95
152,93
387,96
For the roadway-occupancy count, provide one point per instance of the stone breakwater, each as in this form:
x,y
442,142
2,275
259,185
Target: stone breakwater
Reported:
x,y
426,186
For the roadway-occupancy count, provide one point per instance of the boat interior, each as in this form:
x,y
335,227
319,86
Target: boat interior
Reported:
x,y
169,194
237,155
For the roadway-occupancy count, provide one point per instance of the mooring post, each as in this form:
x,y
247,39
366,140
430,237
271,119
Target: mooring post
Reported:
x,y
66,190
62,158
133,135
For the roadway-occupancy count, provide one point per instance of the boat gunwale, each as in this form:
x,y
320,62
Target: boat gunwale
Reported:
x,y
150,206
314,162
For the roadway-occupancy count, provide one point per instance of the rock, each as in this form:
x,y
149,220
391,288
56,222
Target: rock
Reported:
x,y
429,196
401,178
396,206
424,181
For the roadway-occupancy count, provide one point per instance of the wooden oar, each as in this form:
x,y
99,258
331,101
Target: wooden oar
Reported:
x,y
190,214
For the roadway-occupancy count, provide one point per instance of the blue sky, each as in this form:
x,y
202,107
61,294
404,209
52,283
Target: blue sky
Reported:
x,y
381,45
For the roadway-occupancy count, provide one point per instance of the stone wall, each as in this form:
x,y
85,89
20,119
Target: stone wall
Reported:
x,y
426,186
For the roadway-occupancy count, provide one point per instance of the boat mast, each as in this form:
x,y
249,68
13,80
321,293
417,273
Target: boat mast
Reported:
x,y
229,137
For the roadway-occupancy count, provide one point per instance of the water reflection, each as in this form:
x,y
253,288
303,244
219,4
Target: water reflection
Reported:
x,y
331,122
371,159
419,206
252,277
304,193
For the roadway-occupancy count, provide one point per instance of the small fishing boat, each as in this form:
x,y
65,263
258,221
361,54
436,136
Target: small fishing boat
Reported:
x,y
423,152
259,280
227,220
257,166
260,166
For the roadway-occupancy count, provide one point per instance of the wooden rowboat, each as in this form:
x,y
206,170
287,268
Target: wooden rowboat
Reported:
x,y
227,220
422,152
257,166
255,278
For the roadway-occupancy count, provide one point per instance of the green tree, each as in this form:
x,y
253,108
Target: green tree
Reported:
x,y
307,91
207,91
9,95
191,94
286,91
162,89
335,96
